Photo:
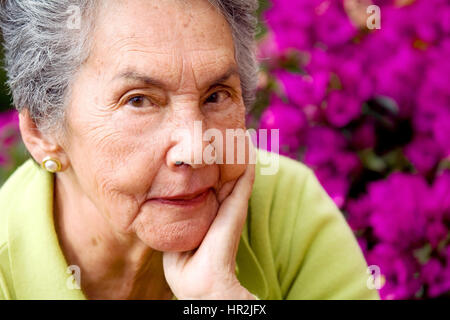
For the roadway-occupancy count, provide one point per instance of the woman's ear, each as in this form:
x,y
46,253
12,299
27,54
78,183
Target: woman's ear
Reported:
x,y
39,144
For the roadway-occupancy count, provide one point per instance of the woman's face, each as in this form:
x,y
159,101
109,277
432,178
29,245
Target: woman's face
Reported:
x,y
151,73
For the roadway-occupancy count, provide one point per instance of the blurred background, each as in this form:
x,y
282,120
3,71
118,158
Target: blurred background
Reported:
x,y
368,110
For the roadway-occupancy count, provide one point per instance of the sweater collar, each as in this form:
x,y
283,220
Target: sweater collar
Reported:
x,y
39,269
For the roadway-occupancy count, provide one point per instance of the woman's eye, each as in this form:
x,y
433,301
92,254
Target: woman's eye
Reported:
x,y
139,102
217,96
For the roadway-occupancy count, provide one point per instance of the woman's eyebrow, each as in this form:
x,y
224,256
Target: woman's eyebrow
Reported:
x,y
232,71
139,77
150,81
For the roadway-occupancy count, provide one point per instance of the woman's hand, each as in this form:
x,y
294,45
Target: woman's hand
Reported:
x,y
208,273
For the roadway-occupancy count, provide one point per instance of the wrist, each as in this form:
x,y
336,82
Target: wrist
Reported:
x,y
237,292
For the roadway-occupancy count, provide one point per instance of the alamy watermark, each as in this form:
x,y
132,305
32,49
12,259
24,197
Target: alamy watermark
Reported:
x,y
374,20
229,148
375,277
74,18
73,282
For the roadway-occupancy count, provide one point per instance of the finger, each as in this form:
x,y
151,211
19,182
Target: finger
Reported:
x,y
225,191
233,210
223,236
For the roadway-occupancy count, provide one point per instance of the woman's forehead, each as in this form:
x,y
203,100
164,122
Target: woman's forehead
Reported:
x,y
161,38
163,27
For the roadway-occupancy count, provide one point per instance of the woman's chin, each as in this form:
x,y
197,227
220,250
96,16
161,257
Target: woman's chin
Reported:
x,y
171,230
174,238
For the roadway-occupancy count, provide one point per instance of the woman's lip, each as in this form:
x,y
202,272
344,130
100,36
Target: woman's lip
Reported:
x,y
186,196
183,202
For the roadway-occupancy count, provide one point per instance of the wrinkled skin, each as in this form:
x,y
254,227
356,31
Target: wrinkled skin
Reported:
x,y
122,155
150,74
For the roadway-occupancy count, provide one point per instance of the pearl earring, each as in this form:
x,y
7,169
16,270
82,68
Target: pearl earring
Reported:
x,y
51,165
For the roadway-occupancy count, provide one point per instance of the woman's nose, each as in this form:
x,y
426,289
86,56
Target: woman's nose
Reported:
x,y
190,147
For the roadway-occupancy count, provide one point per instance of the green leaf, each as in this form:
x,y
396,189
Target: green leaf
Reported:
x,y
423,254
388,103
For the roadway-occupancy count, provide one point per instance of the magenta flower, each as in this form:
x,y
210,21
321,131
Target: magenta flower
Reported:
x,y
399,271
291,123
424,153
337,185
353,85
9,129
9,119
291,23
364,136
359,212
398,215
436,276
402,81
439,204
441,132
325,138
9,135
333,27
332,163
433,100
267,49
304,90
436,232
363,245
342,108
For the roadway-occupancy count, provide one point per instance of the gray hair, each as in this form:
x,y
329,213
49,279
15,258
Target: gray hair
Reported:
x,y
43,54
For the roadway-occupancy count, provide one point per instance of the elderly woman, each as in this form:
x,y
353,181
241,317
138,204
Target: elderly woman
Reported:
x,y
110,95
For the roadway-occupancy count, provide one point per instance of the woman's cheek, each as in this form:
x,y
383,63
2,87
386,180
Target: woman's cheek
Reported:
x,y
233,170
229,172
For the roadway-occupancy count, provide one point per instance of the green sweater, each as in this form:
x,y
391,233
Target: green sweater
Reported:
x,y
296,243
